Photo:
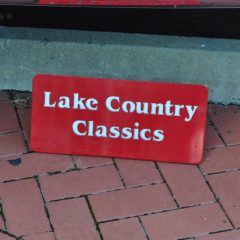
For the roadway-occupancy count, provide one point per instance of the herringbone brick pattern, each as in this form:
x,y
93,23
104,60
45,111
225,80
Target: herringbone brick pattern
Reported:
x,y
64,197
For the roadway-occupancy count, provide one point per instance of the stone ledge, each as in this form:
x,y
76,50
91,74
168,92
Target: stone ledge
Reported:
x,y
213,62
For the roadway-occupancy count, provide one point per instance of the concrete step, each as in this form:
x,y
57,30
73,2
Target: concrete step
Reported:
x,y
215,63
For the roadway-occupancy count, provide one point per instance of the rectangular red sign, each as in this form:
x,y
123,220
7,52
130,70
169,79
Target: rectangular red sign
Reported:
x,y
119,118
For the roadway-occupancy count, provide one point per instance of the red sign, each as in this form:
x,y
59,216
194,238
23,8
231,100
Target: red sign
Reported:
x,y
119,118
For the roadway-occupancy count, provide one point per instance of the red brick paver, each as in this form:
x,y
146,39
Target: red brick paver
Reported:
x,y
23,208
213,140
131,202
72,220
6,237
221,159
229,235
208,121
12,144
187,184
2,224
34,164
186,223
137,173
127,229
64,197
226,187
41,236
72,184
87,162
9,122
25,117
4,96
226,120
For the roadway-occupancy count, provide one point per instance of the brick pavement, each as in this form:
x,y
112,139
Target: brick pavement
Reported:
x,y
63,197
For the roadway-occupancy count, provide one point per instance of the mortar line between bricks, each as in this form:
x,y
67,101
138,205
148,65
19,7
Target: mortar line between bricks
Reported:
x,y
74,164
191,238
45,207
222,172
164,180
216,198
218,133
84,168
122,189
208,234
9,132
20,179
72,170
128,217
208,117
36,234
139,219
97,166
3,157
119,174
19,121
227,146
232,144
107,191
75,170
222,231
2,215
39,175
213,148
94,218
30,151
9,234
150,213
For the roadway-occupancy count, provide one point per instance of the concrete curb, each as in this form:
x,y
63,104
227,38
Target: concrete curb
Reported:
x,y
215,63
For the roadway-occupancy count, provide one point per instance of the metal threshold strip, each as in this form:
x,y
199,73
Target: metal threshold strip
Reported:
x,y
138,3
201,18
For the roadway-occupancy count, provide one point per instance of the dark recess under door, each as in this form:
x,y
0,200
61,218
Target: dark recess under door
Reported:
x,y
200,22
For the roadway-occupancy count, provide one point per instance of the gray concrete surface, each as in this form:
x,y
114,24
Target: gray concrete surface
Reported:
x,y
215,63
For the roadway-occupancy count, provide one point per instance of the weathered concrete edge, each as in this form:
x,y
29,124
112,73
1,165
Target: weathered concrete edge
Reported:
x,y
215,63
